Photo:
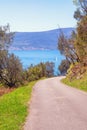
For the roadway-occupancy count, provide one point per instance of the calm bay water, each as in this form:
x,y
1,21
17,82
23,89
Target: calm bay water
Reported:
x,y
34,57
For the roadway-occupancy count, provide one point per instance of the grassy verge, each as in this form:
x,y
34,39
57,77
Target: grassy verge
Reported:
x,y
1,85
77,83
13,108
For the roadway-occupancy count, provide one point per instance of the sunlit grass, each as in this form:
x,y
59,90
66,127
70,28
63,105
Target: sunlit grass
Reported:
x,y
77,83
14,108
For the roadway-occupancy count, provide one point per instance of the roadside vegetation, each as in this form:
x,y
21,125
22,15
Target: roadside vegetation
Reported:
x,y
74,49
77,83
14,105
39,71
14,98
14,108
12,73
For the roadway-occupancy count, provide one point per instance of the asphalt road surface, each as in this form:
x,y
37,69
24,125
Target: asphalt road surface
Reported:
x,y
55,106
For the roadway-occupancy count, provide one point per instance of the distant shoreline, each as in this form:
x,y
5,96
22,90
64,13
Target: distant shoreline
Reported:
x,y
46,40
28,49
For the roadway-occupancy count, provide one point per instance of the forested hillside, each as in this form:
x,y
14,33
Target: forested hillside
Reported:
x,y
75,49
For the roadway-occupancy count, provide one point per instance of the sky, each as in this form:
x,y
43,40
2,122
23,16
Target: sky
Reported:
x,y
37,15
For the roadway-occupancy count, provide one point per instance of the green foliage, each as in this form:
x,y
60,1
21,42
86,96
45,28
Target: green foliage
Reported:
x,y
14,108
38,71
77,83
10,66
81,9
81,40
10,69
49,69
63,67
81,34
6,37
75,47
35,72
66,47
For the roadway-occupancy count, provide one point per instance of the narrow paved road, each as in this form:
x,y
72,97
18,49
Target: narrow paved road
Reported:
x,y
55,106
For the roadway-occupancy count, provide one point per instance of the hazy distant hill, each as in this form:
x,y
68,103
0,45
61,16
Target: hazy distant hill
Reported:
x,y
38,40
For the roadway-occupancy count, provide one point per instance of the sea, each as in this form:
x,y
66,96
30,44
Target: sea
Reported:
x,y
28,57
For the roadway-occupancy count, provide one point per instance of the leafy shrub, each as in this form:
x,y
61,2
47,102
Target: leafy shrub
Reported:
x,y
10,69
38,71
63,67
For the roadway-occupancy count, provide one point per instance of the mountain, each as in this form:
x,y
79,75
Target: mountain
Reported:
x,y
38,40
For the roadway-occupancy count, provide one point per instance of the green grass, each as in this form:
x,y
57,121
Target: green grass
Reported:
x,y
1,85
14,108
77,83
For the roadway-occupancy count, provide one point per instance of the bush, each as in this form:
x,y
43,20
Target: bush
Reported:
x,y
49,69
38,71
10,69
63,67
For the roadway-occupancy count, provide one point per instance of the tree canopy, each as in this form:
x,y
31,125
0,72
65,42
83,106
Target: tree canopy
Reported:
x,y
10,69
6,37
81,9
81,39
10,65
74,48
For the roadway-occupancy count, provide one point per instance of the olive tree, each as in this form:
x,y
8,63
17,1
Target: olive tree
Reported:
x,y
81,10
6,37
10,65
10,69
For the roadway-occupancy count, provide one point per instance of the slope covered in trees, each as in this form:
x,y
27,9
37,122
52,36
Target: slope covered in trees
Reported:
x,y
75,47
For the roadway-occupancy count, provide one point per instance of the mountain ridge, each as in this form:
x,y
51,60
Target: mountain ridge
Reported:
x,y
45,40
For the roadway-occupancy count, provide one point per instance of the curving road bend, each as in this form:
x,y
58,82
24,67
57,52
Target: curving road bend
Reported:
x,y
55,106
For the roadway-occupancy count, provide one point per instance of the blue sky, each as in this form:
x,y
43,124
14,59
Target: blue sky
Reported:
x,y
37,15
